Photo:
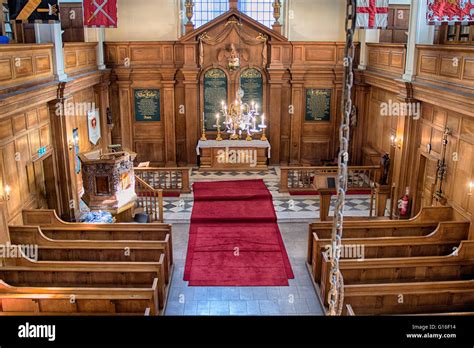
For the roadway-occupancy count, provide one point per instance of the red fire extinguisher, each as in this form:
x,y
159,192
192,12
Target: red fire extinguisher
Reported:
x,y
404,205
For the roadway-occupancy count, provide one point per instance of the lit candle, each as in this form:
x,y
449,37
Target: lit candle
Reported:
x,y
263,120
217,119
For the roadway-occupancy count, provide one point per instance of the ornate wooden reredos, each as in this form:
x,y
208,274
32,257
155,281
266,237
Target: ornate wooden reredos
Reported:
x,y
228,47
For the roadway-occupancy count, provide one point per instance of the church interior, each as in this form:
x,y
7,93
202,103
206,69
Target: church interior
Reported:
x,y
236,158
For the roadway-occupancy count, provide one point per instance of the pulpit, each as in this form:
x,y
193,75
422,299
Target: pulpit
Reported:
x,y
109,182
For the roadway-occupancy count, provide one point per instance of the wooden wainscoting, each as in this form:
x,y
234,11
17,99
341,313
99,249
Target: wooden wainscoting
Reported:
x,y
446,64
25,64
80,57
387,58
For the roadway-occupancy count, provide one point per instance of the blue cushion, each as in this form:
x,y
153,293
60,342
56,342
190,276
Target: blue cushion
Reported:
x,y
4,40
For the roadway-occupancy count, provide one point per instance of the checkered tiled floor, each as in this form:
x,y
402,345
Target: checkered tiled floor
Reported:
x,y
288,208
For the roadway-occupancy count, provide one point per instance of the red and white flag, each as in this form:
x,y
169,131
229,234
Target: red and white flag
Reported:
x,y
100,13
372,14
450,11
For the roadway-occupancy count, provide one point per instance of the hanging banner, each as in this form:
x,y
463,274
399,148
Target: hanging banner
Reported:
x,y
100,13
450,11
34,10
372,14
93,122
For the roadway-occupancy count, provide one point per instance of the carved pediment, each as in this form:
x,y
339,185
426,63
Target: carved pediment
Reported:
x,y
233,18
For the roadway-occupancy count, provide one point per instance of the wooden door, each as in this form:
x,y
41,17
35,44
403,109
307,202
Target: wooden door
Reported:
x,y
428,181
50,184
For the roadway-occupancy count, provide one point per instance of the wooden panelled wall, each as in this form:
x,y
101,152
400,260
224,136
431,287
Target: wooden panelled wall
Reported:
x,y
177,69
36,160
445,91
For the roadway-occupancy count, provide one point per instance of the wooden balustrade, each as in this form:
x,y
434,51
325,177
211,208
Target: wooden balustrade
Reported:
x,y
149,199
302,178
170,180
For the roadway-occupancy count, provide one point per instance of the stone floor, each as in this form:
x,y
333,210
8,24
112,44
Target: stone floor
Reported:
x,y
297,299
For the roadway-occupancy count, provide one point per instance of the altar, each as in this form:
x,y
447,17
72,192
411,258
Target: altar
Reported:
x,y
233,154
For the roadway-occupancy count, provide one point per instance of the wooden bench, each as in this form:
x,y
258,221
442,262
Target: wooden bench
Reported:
x,y
26,272
423,224
442,241
44,301
53,227
411,298
91,250
457,266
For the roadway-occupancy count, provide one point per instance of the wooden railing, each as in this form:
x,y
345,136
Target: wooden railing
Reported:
x,y
302,178
170,180
149,199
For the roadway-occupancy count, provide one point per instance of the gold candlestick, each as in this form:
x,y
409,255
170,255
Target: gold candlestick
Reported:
x,y
203,137
249,137
264,137
218,126
264,129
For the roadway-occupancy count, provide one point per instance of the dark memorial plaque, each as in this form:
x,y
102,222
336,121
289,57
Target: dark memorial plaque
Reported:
x,y
318,104
147,105
251,83
215,91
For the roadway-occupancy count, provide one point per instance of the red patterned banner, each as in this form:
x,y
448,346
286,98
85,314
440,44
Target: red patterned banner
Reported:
x,y
100,13
450,11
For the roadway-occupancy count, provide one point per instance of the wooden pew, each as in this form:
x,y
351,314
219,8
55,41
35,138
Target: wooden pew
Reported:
x,y
53,227
27,272
457,266
421,225
78,301
87,250
411,298
442,241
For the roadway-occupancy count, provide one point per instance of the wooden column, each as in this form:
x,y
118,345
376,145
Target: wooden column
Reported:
x,y
233,4
191,95
102,92
362,96
63,157
4,235
169,117
274,113
297,101
125,103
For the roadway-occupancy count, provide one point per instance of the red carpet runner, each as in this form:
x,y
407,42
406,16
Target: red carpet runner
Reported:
x,y
234,239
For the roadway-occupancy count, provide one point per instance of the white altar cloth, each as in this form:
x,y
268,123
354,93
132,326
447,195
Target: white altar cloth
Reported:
x,y
233,144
